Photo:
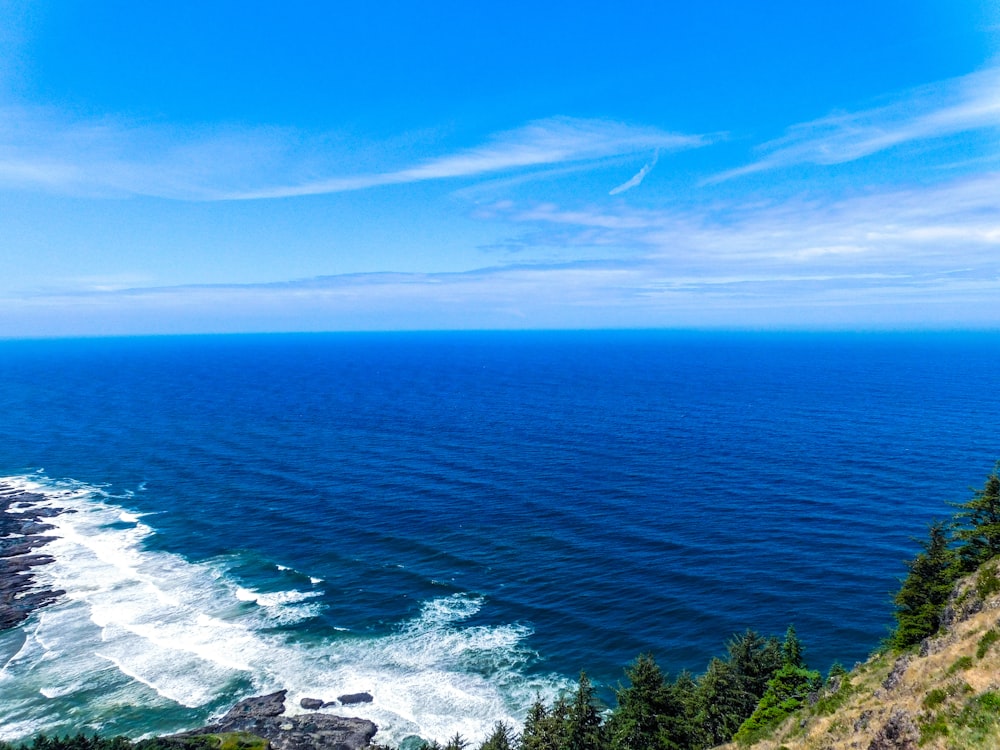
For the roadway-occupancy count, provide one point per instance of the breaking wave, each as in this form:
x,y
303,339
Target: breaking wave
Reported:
x,y
177,641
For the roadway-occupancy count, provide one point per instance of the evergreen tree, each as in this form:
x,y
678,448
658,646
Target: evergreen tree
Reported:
x,y
584,726
533,732
683,728
978,524
647,710
720,703
785,693
925,590
546,729
754,660
501,738
791,648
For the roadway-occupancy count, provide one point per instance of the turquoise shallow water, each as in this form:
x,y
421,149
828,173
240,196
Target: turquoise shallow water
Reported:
x,y
457,521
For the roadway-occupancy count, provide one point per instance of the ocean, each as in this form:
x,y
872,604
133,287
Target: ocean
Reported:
x,y
458,522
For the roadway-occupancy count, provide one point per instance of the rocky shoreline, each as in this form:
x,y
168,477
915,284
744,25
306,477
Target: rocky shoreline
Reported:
x,y
23,526
264,717
22,531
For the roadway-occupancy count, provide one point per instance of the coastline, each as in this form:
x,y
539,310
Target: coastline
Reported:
x,y
264,716
22,531
23,528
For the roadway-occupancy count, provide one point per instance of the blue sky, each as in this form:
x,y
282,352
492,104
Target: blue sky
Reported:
x,y
216,167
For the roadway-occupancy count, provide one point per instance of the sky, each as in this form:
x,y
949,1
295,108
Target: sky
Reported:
x,y
251,167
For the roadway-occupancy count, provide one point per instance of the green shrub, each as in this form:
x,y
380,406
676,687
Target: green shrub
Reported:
x,y
936,726
934,698
987,581
960,664
830,702
989,638
981,713
785,694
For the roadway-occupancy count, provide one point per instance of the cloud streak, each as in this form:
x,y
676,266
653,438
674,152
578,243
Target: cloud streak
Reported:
x,y
540,144
956,106
915,257
921,230
41,150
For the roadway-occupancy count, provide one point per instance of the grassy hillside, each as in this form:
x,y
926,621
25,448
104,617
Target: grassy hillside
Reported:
x,y
944,693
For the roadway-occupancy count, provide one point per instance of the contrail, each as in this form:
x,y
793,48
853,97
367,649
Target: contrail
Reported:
x,y
638,177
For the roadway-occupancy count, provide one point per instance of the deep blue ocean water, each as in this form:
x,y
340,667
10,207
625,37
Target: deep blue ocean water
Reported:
x,y
458,521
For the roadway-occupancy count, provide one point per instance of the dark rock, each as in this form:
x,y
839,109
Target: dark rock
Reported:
x,y
354,698
896,675
263,717
259,707
21,528
898,733
948,616
862,721
311,704
18,546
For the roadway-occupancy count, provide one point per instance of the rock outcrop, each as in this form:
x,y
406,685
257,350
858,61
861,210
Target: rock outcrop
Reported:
x,y
22,530
264,717
943,695
352,699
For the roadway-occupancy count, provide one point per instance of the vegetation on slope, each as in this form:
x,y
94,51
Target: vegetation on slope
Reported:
x,y
936,683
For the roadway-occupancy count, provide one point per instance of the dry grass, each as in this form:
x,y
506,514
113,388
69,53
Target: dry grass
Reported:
x,y
945,698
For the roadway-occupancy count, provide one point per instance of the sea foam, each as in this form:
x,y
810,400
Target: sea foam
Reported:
x,y
148,628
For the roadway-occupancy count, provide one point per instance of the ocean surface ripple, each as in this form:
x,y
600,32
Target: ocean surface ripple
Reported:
x,y
457,522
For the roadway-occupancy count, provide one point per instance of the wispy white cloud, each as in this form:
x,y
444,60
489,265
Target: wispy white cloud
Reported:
x,y
914,257
918,230
937,111
540,144
42,149
638,177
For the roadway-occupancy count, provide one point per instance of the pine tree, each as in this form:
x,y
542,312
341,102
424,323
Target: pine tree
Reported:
x,y
638,721
546,729
683,728
501,738
791,648
720,703
754,660
785,693
925,590
979,524
534,727
585,730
